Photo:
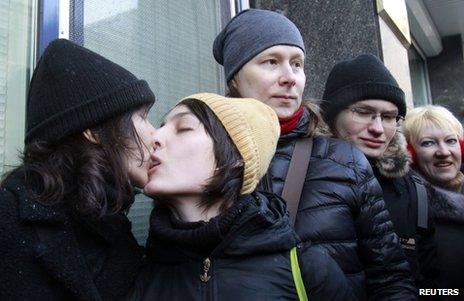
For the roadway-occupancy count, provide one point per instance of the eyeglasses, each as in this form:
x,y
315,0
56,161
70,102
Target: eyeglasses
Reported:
x,y
366,116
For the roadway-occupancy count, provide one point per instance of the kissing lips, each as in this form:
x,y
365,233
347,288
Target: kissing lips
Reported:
x,y
155,162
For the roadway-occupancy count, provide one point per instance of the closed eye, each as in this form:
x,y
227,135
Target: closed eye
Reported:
x,y
389,117
184,129
363,112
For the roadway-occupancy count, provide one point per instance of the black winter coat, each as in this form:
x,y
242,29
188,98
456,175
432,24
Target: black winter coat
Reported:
x,y
250,262
448,211
342,209
75,258
397,180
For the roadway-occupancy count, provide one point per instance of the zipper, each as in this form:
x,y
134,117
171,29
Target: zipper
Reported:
x,y
205,276
206,266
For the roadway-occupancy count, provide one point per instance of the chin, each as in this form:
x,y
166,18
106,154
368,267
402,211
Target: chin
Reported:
x,y
370,153
444,178
150,189
285,113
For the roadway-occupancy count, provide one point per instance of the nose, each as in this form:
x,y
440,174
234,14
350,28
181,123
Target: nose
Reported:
x,y
287,78
157,138
376,127
443,150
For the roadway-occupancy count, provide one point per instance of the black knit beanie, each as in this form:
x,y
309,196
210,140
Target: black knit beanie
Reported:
x,y
248,34
73,89
362,78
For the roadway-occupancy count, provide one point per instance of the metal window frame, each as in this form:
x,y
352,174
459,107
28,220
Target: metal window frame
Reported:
x,y
416,47
48,24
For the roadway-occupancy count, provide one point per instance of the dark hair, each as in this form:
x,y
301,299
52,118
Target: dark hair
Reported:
x,y
90,177
315,119
227,180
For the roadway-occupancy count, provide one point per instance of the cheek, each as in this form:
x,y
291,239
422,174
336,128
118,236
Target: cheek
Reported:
x,y
199,161
301,82
389,134
425,160
458,155
423,155
347,129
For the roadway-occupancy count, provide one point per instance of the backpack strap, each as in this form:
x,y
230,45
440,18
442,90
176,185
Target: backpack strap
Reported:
x,y
422,202
296,176
296,272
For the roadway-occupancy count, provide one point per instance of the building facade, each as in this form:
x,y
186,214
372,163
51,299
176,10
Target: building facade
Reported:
x,y
169,44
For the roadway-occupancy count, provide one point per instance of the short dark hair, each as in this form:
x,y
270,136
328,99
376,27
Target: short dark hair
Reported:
x,y
90,177
227,180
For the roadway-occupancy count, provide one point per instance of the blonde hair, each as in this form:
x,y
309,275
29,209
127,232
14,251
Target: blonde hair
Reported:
x,y
418,118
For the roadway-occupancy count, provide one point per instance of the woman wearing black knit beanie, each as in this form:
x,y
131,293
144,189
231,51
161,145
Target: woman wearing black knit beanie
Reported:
x,y
64,233
341,206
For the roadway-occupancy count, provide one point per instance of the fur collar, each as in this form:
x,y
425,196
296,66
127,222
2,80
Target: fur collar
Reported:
x,y
447,205
395,161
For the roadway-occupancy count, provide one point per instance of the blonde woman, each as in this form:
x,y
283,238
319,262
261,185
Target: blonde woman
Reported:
x,y
435,142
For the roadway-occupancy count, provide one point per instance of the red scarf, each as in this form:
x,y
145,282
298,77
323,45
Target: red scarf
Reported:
x,y
289,123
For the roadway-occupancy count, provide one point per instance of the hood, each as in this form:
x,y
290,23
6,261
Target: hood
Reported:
x,y
447,205
395,161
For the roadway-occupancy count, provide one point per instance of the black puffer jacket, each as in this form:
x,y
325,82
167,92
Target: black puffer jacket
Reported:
x,y
342,209
249,262
76,259
399,187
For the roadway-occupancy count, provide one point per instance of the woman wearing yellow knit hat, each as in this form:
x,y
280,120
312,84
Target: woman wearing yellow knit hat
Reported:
x,y
211,234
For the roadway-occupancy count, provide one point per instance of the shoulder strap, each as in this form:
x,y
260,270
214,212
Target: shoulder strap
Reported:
x,y
296,272
422,202
296,175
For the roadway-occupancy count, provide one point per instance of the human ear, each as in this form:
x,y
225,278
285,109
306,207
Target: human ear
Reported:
x,y
233,83
89,135
412,152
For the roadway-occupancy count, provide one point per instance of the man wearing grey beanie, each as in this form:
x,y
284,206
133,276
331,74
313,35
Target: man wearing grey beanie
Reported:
x,y
341,207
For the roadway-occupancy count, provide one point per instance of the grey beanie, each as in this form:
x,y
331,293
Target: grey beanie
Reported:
x,y
249,33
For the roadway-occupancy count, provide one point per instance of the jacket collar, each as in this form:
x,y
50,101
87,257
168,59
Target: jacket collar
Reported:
x,y
299,130
57,251
447,205
30,210
395,161
262,227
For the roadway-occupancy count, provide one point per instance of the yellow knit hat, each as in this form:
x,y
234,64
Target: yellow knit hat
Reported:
x,y
254,129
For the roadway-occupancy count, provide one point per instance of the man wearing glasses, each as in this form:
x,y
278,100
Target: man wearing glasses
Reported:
x,y
363,104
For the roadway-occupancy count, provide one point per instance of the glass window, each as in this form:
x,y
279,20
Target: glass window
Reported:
x,y
16,28
419,79
166,42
